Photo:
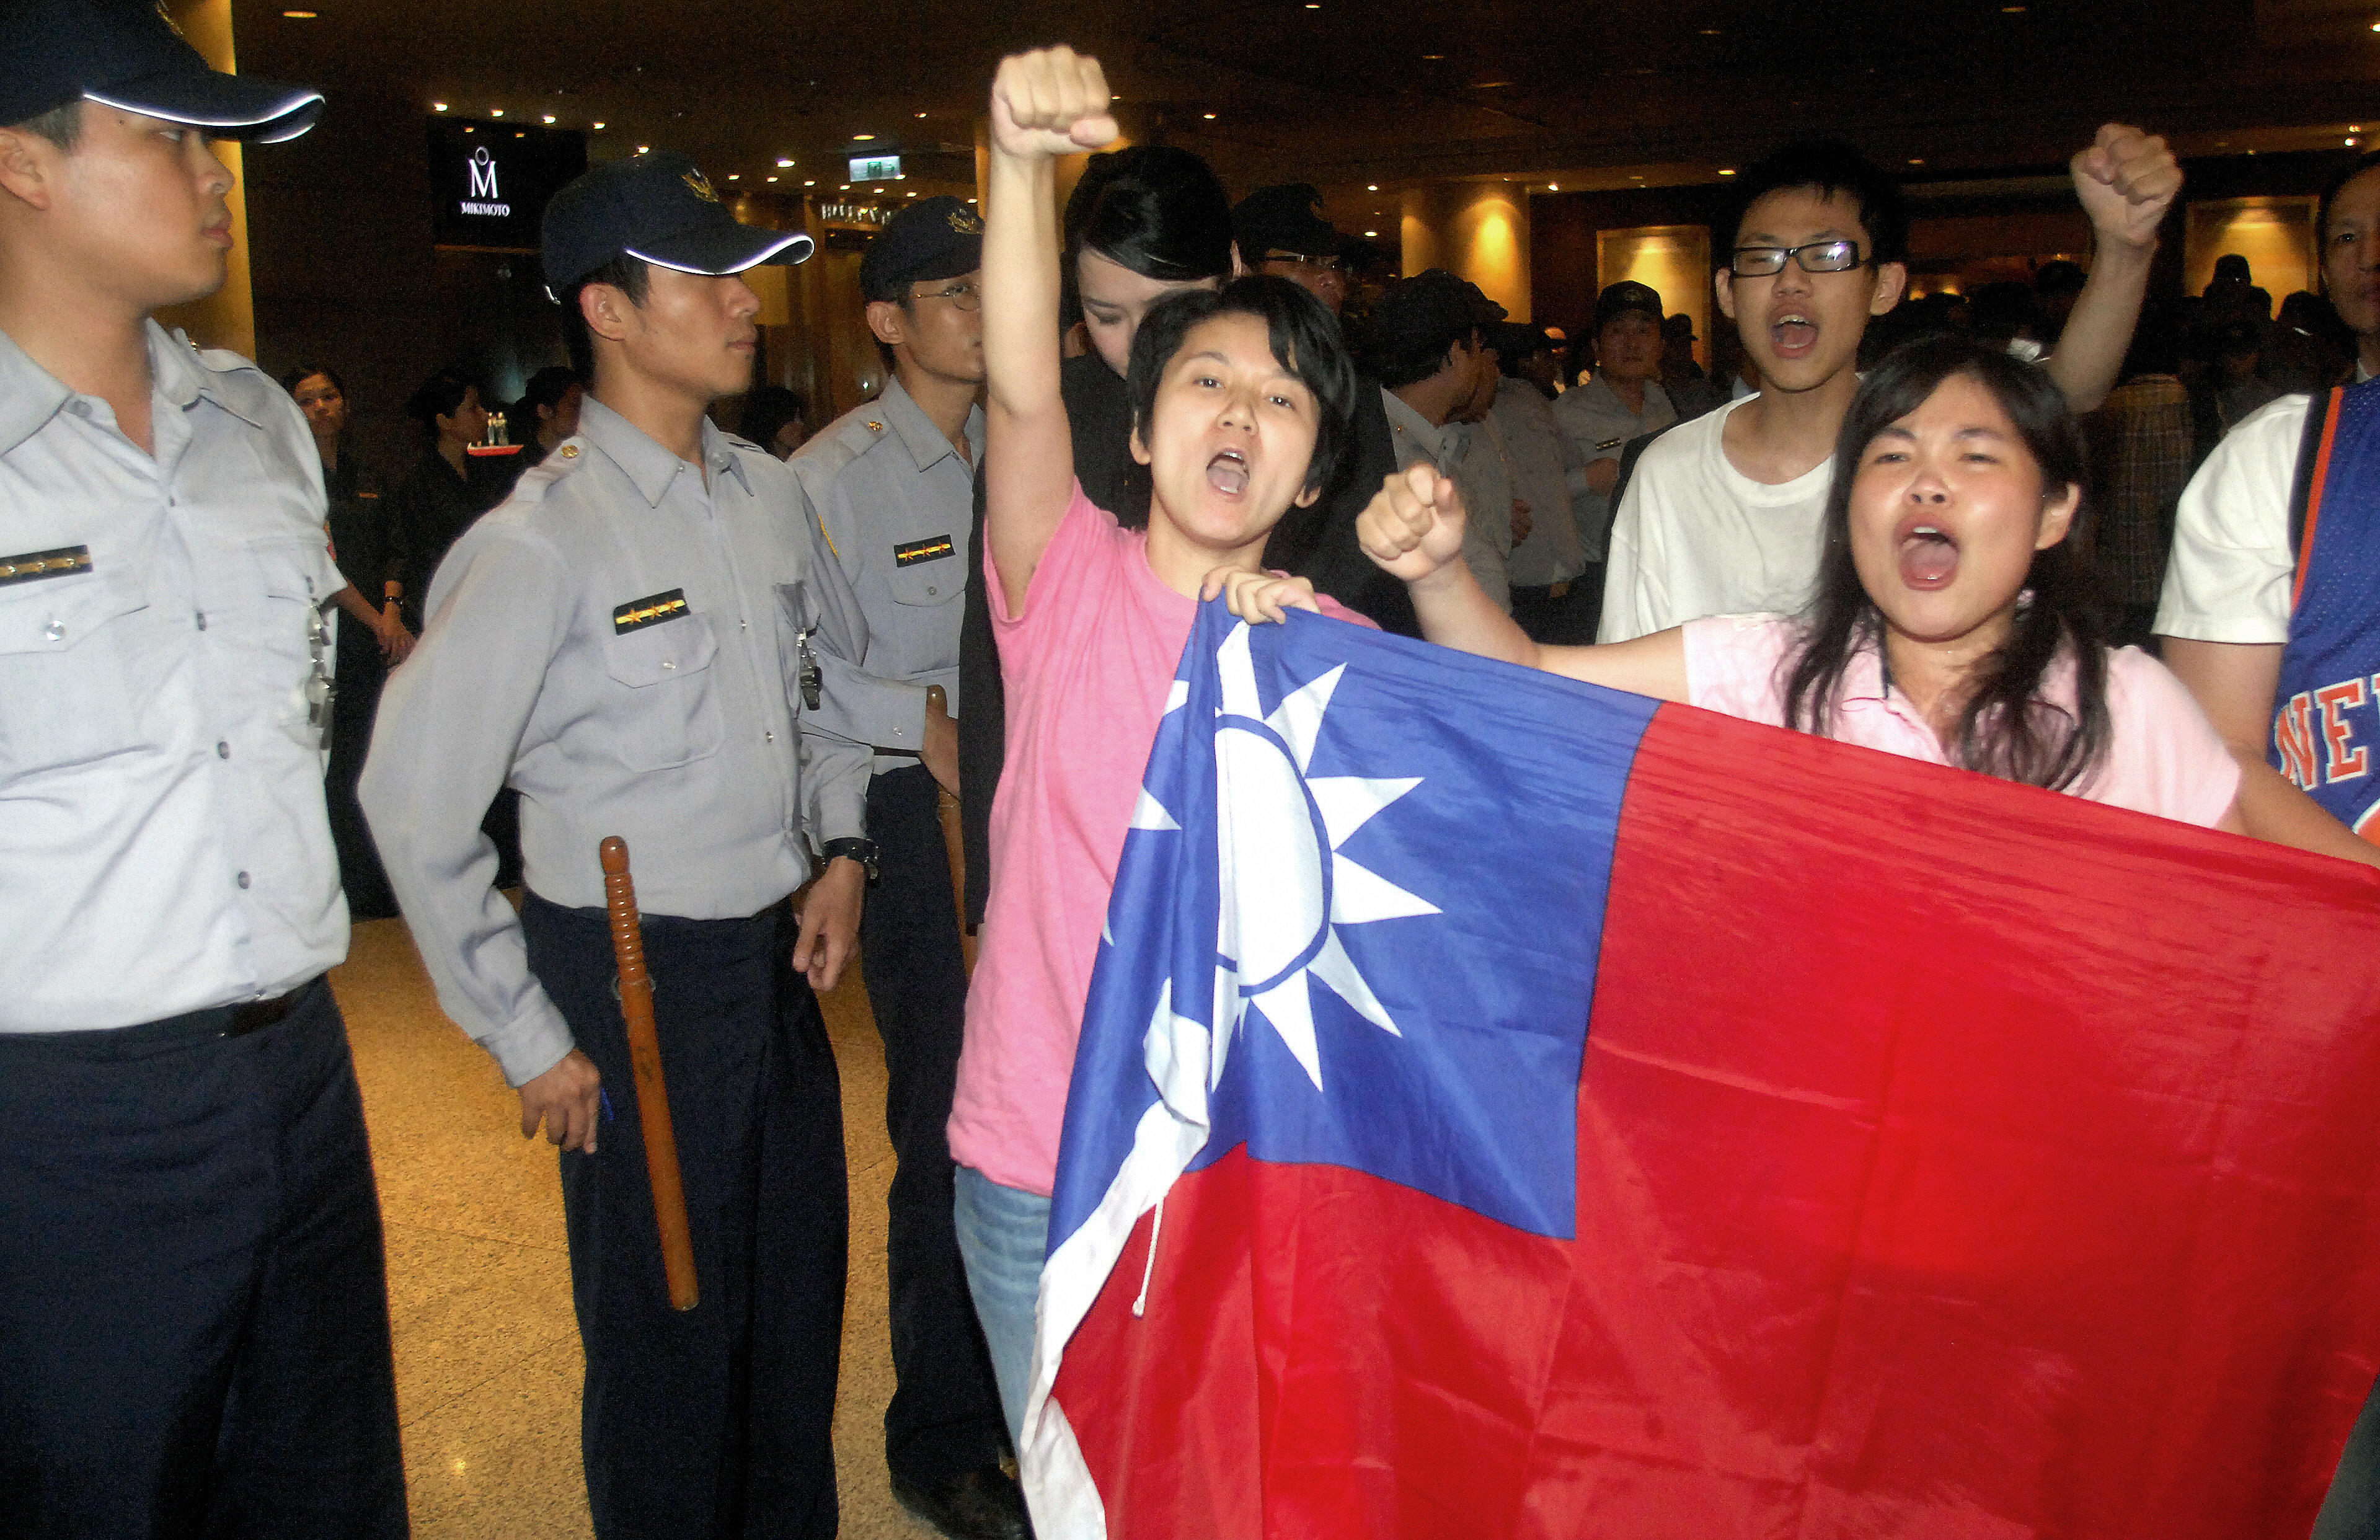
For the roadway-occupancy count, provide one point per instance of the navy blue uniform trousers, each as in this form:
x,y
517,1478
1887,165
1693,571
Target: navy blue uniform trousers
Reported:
x,y
193,1302
717,1421
944,1418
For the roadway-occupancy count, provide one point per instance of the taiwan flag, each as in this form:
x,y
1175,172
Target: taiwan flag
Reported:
x,y
1513,1109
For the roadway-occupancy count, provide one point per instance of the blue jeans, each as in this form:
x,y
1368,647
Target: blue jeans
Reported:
x,y
1003,1232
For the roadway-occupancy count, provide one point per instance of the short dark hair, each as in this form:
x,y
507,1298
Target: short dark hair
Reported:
x,y
61,126
1305,341
2331,189
2007,727
303,372
768,408
1828,167
548,386
630,275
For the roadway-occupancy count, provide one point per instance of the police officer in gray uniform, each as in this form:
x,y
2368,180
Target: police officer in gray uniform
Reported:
x,y
892,484
632,640
193,1316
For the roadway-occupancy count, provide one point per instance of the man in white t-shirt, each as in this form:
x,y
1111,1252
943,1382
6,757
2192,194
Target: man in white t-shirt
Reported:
x,y
1722,515
2224,615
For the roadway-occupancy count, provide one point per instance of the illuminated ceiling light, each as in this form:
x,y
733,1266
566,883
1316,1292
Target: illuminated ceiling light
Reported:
x,y
784,159
1553,187
1710,31
1373,188
861,138
808,183
437,107
2019,10
846,187
1727,171
495,111
921,115
1433,56
1916,160
301,16
1371,235
644,149
599,124
549,117
913,195
730,179
1209,116
737,175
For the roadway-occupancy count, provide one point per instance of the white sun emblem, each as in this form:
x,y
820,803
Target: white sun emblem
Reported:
x,y
1286,889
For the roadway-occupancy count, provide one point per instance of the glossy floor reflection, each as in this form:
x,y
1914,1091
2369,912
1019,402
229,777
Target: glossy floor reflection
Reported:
x,y
487,1354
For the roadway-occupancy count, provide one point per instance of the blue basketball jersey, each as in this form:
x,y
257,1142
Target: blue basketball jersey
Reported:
x,y
2326,726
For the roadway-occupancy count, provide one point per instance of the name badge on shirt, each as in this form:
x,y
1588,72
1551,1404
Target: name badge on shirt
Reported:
x,y
638,613
33,565
923,551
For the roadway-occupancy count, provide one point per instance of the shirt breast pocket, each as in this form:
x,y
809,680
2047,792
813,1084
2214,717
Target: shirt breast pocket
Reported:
x,y
928,582
672,714
74,671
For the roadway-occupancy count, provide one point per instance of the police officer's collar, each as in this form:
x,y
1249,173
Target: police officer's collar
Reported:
x,y
924,442
648,467
30,395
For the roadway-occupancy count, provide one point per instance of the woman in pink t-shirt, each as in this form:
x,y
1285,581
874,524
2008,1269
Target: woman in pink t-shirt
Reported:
x,y
1952,623
1242,398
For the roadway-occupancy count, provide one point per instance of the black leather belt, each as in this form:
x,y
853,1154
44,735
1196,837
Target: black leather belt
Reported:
x,y
234,1021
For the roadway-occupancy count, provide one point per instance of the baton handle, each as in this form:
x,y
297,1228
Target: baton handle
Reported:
x,y
652,1091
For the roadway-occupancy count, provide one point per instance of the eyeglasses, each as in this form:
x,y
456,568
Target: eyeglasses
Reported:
x,y
966,296
1824,256
1320,264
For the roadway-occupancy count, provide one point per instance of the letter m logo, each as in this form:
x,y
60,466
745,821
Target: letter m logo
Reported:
x,y
483,173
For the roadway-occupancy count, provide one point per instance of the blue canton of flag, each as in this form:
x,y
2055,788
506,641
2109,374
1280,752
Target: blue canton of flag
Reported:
x,y
1341,933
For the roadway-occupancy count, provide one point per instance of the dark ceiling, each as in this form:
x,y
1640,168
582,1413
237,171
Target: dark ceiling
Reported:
x,y
1349,92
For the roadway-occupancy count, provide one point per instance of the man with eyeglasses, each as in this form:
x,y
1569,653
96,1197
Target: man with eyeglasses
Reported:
x,y
892,485
1722,515
1281,231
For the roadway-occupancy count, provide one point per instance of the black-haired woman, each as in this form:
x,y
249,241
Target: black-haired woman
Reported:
x,y
1953,622
442,493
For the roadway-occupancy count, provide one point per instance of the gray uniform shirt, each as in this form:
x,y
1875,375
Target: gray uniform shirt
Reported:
x,y
1541,459
618,642
895,504
163,844
1599,425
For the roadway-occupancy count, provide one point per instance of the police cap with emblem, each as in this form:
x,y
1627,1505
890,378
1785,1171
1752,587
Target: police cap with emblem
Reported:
x,y
1627,297
656,207
1287,218
128,54
933,238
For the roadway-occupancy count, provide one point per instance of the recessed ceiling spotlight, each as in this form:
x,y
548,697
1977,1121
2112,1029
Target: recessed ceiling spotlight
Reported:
x,y
1373,188
810,184
549,117
1727,171
784,159
1710,31
736,176
1916,160
846,187
598,126
437,107
1433,56
1551,187
1209,116
730,179
301,16
644,149
495,111
861,138
921,115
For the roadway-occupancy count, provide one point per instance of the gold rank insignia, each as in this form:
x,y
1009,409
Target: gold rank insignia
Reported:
x,y
701,185
34,564
876,427
638,613
570,451
923,551
966,223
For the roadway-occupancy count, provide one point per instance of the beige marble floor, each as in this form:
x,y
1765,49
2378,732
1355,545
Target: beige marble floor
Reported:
x,y
487,1355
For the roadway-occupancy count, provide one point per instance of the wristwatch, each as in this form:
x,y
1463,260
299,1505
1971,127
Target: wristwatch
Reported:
x,y
860,850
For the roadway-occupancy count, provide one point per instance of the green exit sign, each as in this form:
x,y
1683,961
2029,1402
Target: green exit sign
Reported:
x,y
876,168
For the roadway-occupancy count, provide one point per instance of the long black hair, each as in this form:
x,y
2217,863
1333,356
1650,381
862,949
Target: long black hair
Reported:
x,y
1154,209
2005,728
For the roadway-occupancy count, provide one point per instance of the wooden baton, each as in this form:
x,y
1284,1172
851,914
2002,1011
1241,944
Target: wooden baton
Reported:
x,y
652,1091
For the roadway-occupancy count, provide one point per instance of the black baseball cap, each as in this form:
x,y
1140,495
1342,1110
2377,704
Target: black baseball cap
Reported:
x,y
128,54
1618,299
934,237
1431,305
1286,218
659,208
